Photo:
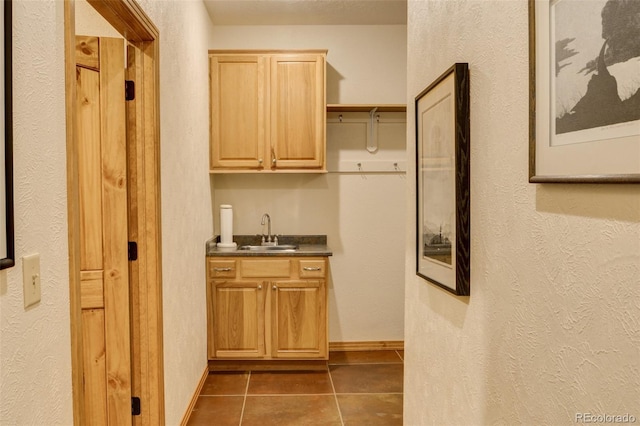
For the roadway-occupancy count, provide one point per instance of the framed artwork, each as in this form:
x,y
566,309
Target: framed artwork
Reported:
x,y
7,250
442,173
584,91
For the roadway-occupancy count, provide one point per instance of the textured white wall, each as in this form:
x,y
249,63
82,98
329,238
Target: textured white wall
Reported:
x,y
366,64
362,216
90,22
187,221
552,324
35,345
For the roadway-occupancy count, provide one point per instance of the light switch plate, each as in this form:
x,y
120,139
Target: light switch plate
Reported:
x,y
31,279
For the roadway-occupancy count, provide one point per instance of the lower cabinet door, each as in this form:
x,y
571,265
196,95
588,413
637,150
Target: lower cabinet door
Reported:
x,y
299,319
237,319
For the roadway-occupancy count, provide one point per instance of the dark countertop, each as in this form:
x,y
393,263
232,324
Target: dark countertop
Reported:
x,y
308,245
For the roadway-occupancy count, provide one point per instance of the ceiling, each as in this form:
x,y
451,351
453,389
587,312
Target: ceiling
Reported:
x,y
307,12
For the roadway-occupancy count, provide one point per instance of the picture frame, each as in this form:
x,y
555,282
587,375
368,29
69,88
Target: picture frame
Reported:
x,y
7,248
584,94
443,183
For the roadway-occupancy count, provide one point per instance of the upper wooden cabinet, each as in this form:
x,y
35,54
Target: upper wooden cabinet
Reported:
x,y
267,111
238,91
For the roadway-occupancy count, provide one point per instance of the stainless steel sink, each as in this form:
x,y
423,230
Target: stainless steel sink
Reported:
x,y
283,247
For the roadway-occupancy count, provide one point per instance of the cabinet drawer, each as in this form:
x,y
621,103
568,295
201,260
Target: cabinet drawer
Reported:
x,y
222,269
312,269
266,268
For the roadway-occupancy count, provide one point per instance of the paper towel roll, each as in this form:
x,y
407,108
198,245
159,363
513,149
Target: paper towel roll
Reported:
x,y
226,224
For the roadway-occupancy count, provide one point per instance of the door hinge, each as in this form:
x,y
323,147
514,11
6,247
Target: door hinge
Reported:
x,y
135,406
133,250
129,90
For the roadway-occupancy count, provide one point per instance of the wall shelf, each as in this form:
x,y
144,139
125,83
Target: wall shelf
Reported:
x,y
366,107
366,139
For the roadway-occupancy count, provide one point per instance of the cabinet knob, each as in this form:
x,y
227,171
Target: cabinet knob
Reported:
x,y
260,160
273,161
312,268
259,286
274,288
222,269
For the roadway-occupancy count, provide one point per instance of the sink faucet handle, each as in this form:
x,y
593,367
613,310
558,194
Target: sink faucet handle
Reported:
x,y
275,240
263,239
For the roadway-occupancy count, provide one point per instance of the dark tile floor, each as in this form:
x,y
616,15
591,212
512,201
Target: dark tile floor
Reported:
x,y
359,388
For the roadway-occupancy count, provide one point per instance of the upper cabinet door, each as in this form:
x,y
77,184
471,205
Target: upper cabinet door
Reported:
x,y
298,111
238,111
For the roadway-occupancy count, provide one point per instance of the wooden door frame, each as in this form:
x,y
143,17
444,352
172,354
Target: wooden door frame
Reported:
x,y
127,17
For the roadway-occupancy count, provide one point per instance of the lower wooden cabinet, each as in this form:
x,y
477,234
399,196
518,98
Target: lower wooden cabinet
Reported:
x,y
237,319
298,318
267,308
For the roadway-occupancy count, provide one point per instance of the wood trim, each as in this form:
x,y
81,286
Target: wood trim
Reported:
x,y
73,216
397,345
266,365
150,231
128,18
269,171
266,52
194,398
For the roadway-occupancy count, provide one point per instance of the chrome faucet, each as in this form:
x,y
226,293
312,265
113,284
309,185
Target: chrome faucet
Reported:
x,y
268,241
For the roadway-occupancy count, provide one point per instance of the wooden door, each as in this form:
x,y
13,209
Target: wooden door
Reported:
x,y
237,315
299,319
298,111
238,111
104,277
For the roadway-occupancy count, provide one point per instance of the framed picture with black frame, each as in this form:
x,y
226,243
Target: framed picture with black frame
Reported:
x,y
442,181
584,91
7,249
